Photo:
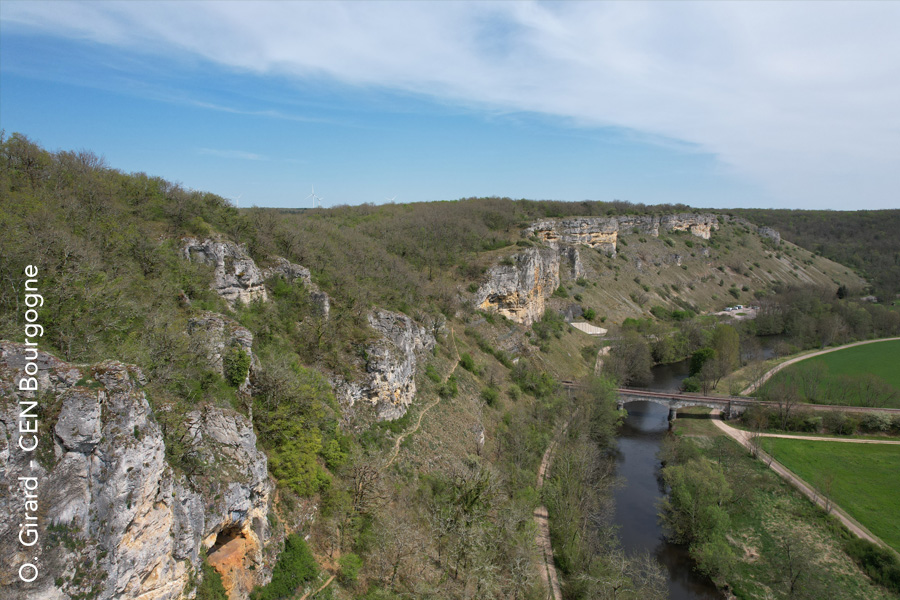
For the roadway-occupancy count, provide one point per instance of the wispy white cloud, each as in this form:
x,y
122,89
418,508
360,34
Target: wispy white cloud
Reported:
x,y
800,97
239,154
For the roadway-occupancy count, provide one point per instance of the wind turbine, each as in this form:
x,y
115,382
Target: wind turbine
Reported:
x,y
390,199
317,202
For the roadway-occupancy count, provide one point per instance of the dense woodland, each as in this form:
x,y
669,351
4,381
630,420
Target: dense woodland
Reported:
x,y
449,523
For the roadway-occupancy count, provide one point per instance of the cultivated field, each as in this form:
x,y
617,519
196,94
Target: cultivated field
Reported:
x,y
865,375
861,478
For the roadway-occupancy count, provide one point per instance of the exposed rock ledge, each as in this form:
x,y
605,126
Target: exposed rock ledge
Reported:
x,y
602,232
518,290
237,278
125,524
390,384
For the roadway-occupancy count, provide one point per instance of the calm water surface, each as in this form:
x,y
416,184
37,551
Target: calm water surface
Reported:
x,y
639,443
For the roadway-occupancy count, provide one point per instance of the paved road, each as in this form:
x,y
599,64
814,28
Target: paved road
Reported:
x,y
753,386
744,439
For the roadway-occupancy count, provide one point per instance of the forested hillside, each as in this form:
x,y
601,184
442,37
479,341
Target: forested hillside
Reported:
x,y
838,236
357,397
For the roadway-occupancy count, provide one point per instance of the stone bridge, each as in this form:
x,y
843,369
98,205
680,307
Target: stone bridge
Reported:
x,y
730,407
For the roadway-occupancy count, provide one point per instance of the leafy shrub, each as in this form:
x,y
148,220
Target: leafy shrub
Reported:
x,y
690,385
879,563
876,422
589,314
295,566
734,292
560,292
236,364
350,565
467,362
490,395
449,388
432,374
839,422
211,587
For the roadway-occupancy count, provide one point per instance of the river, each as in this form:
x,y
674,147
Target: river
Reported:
x,y
638,465
636,511
636,501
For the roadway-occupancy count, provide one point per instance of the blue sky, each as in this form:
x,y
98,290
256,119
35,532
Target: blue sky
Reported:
x,y
709,104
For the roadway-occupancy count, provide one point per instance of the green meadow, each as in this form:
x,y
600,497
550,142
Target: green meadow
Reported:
x,y
861,478
867,375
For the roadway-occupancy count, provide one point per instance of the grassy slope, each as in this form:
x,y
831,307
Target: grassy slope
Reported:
x,y
865,479
696,282
880,359
764,510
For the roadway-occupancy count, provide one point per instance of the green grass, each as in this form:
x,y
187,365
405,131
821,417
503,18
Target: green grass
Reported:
x,y
694,421
865,479
879,359
864,375
764,509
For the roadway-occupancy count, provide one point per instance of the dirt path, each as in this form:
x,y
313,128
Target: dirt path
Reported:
x,y
753,386
542,520
817,438
744,439
396,451
313,593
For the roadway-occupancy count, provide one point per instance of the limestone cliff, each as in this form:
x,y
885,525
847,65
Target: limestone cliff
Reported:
x,y
602,233
391,363
518,290
115,519
216,334
237,278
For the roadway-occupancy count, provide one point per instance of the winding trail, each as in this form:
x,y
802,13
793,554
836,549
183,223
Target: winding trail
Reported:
x,y
753,386
313,593
396,450
542,520
744,438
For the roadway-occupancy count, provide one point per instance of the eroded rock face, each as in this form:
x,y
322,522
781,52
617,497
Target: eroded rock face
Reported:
x,y
602,232
115,520
597,232
518,291
236,278
392,362
217,334
768,232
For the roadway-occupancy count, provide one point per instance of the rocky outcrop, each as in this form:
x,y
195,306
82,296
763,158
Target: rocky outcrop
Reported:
x,y
392,362
518,290
602,233
217,335
768,232
597,232
236,277
115,520
571,256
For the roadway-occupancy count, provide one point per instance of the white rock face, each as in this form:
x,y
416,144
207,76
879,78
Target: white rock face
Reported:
x,y
392,362
602,232
236,278
116,521
217,334
518,291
